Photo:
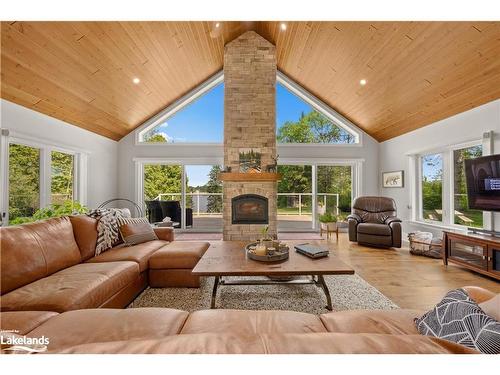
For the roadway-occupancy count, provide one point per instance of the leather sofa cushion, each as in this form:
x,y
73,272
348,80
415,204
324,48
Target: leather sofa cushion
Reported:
x,y
22,322
104,325
360,343
374,229
33,251
85,231
83,286
478,294
374,209
395,322
374,240
244,322
179,254
164,233
308,343
492,307
203,343
137,253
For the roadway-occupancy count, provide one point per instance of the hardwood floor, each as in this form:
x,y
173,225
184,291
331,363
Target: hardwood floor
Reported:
x,y
409,281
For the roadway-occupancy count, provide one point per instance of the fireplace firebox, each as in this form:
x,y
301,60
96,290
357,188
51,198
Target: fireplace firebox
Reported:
x,y
249,209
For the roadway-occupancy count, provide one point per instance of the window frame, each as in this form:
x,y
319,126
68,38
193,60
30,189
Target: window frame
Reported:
x,y
218,78
45,148
356,165
448,188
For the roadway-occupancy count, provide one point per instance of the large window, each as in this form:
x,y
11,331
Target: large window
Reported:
x,y
198,117
298,122
62,172
40,176
24,182
462,214
432,187
200,198
443,187
295,197
201,121
307,191
334,189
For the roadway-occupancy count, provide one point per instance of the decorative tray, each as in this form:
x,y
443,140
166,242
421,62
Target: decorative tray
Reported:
x,y
281,253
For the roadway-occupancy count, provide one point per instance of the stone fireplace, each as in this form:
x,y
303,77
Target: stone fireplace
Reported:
x,y
249,123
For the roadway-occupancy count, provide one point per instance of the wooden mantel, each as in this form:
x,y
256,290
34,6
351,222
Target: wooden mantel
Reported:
x,y
249,177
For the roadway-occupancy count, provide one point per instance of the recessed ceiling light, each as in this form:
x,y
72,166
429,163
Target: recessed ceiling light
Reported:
x,y
362,82
217,24
283,26
136,80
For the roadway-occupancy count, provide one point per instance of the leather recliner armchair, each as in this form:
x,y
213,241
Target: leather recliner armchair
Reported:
x,y
373,222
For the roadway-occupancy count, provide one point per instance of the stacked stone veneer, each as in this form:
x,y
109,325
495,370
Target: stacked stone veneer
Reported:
x,y
249,122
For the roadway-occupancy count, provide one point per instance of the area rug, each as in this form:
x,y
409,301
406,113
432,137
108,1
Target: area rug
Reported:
x,y
349,292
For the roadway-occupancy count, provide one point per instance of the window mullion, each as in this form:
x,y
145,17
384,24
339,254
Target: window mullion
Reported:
x,y
314,197
183,197
45,176
446,190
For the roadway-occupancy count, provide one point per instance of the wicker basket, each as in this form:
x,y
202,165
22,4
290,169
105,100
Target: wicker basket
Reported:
x,y
422,243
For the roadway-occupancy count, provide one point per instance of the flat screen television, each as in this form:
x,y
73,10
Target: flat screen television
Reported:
x,y
483,182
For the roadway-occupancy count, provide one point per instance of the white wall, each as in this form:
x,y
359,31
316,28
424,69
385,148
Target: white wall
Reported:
x,y
102,152
128,150
461,128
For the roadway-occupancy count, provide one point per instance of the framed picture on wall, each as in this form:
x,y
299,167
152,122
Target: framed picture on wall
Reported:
x,y
392,179
250,160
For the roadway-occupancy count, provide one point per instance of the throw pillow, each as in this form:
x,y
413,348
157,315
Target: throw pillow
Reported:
x,y
492,307
459,319
136,231
108,235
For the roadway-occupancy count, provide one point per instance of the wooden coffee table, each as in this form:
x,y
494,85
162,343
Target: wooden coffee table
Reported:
x,y
228,258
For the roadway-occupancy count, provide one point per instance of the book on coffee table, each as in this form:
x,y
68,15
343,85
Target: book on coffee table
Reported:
x,y
311,251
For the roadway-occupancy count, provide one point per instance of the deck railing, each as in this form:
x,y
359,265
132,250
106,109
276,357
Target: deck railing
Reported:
x,y
300,204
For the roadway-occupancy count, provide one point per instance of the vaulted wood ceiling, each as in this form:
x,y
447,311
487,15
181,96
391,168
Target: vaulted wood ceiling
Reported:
x,y
416,72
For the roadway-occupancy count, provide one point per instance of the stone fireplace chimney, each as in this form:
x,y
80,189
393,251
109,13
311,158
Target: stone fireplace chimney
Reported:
x,y
249,123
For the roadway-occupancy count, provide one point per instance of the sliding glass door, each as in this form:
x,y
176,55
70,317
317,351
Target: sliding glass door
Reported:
x,y
295,197
191,195
334,189
204,197
327,188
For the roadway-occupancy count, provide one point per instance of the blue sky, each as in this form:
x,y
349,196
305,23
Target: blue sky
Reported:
x,y
203,121
431,166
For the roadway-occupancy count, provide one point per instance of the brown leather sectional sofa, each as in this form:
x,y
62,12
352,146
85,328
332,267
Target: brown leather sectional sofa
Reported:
x,y
50,266
53,286
163,330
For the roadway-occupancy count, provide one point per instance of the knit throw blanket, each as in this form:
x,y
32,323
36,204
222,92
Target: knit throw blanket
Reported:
x,y
108,233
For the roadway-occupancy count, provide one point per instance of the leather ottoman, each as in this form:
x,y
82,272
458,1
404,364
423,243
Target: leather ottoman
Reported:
x,y
171,266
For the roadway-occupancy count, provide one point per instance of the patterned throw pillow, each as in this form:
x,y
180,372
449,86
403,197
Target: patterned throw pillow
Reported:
x,y
135,231
108,234
459,319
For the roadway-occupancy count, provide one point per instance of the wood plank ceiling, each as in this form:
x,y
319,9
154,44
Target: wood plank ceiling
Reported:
x,y
417,72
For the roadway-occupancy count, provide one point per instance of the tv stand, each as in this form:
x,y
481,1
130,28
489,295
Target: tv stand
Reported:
x,y
477,252
484,232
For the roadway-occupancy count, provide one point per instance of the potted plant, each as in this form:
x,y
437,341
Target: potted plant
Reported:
x,y
328,221
266,239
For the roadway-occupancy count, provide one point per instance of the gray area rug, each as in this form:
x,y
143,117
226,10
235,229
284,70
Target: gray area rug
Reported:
x,y
349,292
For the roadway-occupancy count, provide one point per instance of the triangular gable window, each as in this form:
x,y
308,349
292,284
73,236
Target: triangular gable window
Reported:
x,y
301,118
199,117
196,118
